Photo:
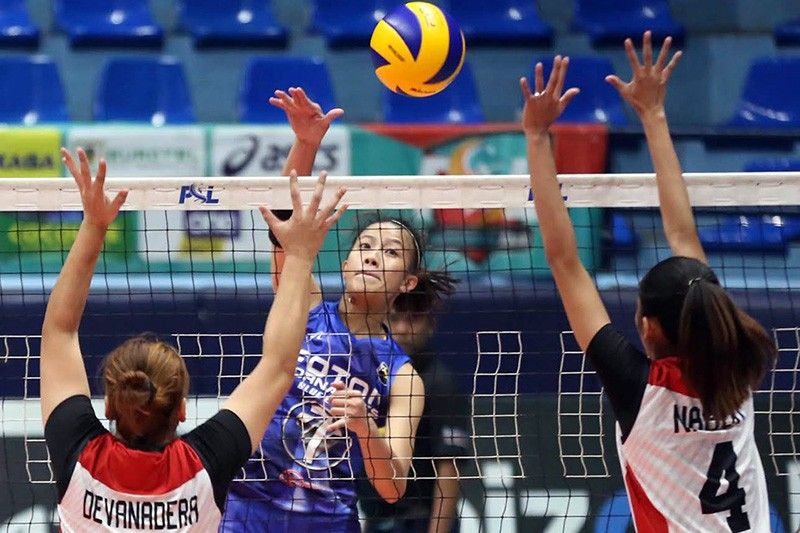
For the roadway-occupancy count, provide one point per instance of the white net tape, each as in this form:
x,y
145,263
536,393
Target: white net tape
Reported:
x,y
406,192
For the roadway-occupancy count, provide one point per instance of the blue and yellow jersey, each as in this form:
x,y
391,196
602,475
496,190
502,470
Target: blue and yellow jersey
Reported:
x,y
302,467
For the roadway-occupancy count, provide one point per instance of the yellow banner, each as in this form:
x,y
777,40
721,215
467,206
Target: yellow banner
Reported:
x,y
29,152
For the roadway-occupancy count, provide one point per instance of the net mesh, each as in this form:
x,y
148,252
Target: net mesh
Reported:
x,y
516,401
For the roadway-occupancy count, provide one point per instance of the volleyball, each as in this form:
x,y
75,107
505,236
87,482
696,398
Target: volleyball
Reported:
x,y
418,49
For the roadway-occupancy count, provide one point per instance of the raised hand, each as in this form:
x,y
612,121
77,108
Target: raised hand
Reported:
x,y
648,88
306,118
544,106
98,209
302,233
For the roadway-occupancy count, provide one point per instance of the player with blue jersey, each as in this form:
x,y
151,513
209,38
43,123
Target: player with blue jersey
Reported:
x,y
356,401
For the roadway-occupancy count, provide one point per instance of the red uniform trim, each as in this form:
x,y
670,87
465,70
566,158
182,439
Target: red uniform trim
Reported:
x,y
123,469
667,373
646,517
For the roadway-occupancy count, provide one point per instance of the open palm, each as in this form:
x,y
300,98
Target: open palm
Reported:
x,y
648,88
306,117
544,106
304,232
98,209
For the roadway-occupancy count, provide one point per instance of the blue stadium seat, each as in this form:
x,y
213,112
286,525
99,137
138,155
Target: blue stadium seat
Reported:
x,y
623,234
264,75
117,23
788,33
16,28
32,91
457,104
770,98
231,23
349,22
143,89
778,164
609,22
501,22
598,101
755,233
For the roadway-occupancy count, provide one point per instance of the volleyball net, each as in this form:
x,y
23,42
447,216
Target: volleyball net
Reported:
x,y
519,413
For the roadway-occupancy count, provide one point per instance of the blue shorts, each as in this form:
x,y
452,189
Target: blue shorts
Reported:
x,y
258,516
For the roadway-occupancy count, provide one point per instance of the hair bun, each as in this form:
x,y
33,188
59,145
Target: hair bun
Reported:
x,y
137,383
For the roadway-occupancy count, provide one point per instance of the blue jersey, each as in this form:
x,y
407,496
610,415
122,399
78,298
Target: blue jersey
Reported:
x,y
300,466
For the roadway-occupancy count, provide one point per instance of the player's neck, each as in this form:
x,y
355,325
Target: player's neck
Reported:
x,y
360,321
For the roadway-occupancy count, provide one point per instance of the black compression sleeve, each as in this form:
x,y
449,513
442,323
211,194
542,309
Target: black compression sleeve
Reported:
x,y
223,444
70,426
623,371
282,214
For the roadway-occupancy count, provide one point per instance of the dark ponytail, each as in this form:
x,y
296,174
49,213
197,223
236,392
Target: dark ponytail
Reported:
x,y
724,352
432,287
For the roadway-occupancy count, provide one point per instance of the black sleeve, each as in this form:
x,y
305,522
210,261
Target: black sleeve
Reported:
x,y
623,370
282,214
223,444
448,411
70,426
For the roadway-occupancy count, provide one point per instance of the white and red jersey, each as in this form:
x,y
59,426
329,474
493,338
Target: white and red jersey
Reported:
x,y
105,485
684,472
115,488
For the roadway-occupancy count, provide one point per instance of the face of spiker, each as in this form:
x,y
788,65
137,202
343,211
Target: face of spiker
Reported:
x,y
377,265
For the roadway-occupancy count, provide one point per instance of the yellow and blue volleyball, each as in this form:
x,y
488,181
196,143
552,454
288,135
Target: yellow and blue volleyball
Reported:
x,y
418,49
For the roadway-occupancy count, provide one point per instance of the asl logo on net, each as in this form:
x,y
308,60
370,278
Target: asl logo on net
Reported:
x,y
196,193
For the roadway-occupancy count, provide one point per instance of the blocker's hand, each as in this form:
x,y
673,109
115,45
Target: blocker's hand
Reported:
x,y
98,209
305,116
648,88
304,231
544,106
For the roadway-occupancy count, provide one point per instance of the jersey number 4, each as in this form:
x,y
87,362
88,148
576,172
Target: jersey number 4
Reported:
x,y
723,465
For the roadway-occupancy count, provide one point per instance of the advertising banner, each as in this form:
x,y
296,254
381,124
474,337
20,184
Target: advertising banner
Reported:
x,y
498,240
143,151
36,241
29,152
262,150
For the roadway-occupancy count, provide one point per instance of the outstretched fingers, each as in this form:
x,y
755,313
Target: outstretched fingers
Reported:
x,y
319,188
282,100
633,59
83,159
294,191
663,54
553,80
524,88
539,78
337,214
567,97
119,199
269,217
299,96
100,179
561,76
647,49
671,66
615,82
68,160
333,114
